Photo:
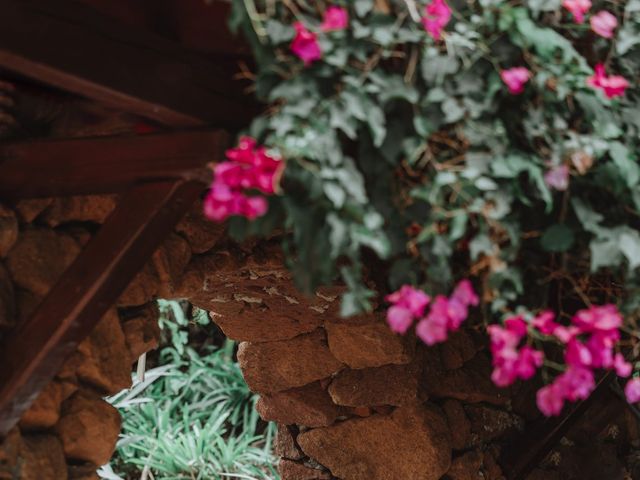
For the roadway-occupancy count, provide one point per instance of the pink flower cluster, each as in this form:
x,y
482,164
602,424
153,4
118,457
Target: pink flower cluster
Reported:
x,y
578,8
436,16
249,167
305,44
589,342
611,85
557,177
446,313
515,79
510,361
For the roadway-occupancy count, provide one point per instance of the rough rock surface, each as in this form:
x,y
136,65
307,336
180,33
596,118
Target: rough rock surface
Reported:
x,y
142,288
471,383
387,385
201,233
413,443
142,332
31,208
459,424
277,366
39,258
489,423
104,359
290,470
89,428
457,350
10,450
310,406
7,299
43,458
169,262
368,345
285,443
8,230
467,467
254,300
83,208
45,411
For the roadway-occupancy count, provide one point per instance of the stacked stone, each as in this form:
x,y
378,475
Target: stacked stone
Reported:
x,y
69,430
352,400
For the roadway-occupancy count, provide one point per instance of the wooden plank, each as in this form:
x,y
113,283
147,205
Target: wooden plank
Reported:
x,y
72,46
106,164
34,352
535,443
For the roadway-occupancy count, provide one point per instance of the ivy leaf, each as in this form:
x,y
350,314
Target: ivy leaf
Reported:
x,y
605,252
376,121
627,166
629,242
557,238
589,219
363,7
278,32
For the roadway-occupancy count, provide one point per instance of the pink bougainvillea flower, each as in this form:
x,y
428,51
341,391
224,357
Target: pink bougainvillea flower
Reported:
x,y
545,322
249,167
632,390
436,16
408,303
557,177
565,334
515,79
622,367
509,362
335,18
465,293
612,86
550,400
604,23
410,298
598,318
576,383
578,8
305,45
577,354
432,329
399,319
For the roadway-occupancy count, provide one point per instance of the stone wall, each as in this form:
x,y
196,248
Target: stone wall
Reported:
x,y
352,400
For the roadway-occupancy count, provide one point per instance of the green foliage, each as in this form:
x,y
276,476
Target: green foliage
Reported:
x,y
192,417
413,150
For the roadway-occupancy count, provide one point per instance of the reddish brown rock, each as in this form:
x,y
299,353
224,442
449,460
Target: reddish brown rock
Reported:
x,y
201,233
10,448
277,366
89,208
488,423
7,299
142,289
39,258
142,332
169,262
104,356
45,411
285,443
43,458
26,303
459,424
310,406
89,428
387,385
290,470
368,345
8,230
254,300
457,350
413,443
467,467
83,472
470,384
31,208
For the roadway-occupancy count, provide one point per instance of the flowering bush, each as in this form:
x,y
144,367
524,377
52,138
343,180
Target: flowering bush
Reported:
x,y
489,143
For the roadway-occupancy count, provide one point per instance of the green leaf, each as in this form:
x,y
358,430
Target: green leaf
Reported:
x,y
629,242
557,238
377,125
605,252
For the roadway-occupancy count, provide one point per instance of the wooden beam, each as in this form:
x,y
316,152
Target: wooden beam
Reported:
x,y
535,443
70,45
32,354
105,164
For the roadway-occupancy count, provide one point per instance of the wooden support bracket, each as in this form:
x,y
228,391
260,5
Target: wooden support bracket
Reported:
x,y
34,352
